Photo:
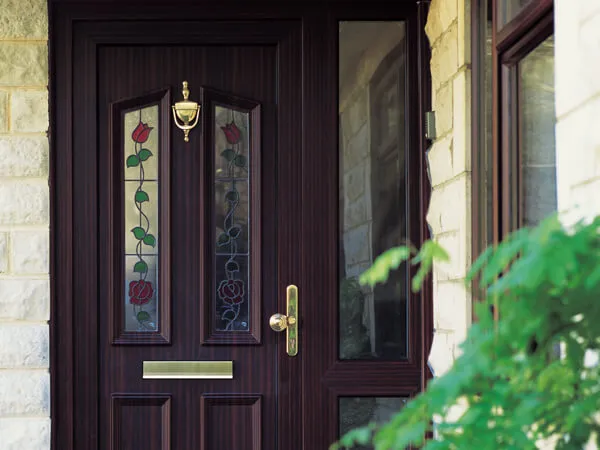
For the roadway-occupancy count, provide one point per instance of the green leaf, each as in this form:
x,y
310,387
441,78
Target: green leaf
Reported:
x,y
384,264
144,154
143,316
228,154
140,267
223,239
150,240
232,196
138,232
132,161
240,161
141,197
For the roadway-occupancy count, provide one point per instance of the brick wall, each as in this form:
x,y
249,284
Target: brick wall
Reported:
x,y
577,81
24,218
449,215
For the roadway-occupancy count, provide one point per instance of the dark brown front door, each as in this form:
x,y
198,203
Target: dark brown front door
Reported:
x,y
170,256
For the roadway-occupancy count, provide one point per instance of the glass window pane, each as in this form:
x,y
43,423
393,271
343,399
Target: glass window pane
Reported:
x,y
508,10
537,125
140,193
373,191
360,411
232,203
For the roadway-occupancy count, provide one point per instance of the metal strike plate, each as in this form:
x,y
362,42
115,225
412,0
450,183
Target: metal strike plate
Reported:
x,y
209,370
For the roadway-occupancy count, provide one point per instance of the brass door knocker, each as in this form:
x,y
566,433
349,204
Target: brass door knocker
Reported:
x,y
187,112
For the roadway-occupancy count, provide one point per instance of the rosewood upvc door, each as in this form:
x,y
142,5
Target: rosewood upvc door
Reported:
x,y
171,255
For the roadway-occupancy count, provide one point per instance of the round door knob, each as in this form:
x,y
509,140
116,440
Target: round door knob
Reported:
x,y
280,322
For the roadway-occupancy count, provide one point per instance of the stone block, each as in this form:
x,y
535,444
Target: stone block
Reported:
x,y
24,393
444,58
357,245
464,32
355,213
443,109
25,433
458,246
440,161
23,202
441,356
450,207
23,299
357,148
24,19
3,111
3,252
452,307
30,251
441,14
24,346
29,111
24,156
355,114
23,63
354,183
462,122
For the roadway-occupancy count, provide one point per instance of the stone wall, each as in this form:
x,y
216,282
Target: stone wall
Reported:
x,y
24,218
577,78
449,215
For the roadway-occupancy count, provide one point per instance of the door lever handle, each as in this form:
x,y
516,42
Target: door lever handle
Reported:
x,y
288,322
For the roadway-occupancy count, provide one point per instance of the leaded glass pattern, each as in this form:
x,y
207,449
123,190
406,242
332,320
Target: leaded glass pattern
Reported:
x,y
232,207
141,230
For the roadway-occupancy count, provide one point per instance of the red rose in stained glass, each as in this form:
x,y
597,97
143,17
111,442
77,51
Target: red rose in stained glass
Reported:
x,y
232,133
140,292
231,291
141,133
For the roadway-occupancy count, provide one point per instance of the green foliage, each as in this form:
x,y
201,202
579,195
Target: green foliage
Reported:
x,y
509,389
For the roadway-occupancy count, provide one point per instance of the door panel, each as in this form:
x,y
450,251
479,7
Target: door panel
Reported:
x,y
272,69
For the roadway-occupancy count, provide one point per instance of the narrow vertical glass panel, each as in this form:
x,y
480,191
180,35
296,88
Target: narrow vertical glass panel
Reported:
x,y
373,187
508,10
232,208
356,412
537,124
140,199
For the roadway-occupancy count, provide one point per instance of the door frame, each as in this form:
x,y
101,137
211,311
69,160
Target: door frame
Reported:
x,y
320,56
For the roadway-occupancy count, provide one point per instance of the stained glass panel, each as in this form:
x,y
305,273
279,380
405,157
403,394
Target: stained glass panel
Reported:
x,y
141,233
232,208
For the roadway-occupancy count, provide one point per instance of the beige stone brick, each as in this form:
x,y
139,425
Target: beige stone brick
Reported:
x,y
441,356
24,393
452,307
458,246
3,111
23,299
3,252
29,111
24,19
443,109
23,345
444,57
440,161
464,32
25,433
441,14
30,251
23,202
23,64
24,156
462,122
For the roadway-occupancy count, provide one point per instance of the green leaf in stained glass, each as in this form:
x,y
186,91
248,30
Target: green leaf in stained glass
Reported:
x,y
140,267
240,161
141,196
228,154
150,240
223,239
138,232
143,316
132,161
235,231
144,154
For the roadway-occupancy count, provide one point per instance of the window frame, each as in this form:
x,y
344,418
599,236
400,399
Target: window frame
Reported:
x,y
510,45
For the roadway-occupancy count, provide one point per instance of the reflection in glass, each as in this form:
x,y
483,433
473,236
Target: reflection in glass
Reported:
x,y
232,205
537,125
140,193
508,10
373,191
360,411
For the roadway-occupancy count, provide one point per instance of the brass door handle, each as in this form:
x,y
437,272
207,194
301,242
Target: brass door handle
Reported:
x,y
289,321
